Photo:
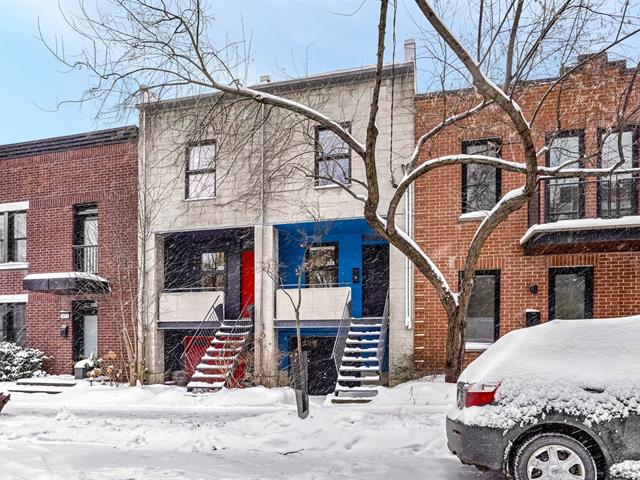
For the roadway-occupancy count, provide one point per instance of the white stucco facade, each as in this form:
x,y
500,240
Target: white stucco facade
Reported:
x,y
262,183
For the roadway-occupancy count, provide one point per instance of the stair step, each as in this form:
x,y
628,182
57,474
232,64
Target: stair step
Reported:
x,y
210,376
360,350
217,350
215,342
205,385
366,325
211,358
208,366
365,368
35,389
351,341
350,378
345,400
359,389
45,382
360,359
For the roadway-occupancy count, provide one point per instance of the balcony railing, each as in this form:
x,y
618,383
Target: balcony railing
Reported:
x,y
85,258
573,199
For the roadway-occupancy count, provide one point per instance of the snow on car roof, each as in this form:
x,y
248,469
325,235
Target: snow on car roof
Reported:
x,y
591,353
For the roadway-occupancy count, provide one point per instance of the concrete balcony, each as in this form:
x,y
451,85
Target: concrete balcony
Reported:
x,y
317,303
184,308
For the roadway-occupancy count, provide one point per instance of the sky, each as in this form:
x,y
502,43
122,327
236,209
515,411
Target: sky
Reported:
x,y
289,38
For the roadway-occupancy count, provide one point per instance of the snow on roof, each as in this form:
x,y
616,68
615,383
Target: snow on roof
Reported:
x,y
582,224
583,368
49,276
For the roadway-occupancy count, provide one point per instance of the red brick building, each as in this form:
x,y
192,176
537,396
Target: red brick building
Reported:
x,y
68,259
574,252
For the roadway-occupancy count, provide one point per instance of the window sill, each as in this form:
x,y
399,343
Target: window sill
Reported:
x,y
476,346
474,216
14,266
199,199
327,187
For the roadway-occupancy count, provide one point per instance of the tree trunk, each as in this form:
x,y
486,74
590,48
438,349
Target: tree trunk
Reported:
x,y
455,345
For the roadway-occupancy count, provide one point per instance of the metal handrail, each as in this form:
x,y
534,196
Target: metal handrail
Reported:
x,y
85,258
383,331
341,336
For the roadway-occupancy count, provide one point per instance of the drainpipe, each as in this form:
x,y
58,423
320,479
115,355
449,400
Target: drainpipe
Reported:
x,y
408,320
142,270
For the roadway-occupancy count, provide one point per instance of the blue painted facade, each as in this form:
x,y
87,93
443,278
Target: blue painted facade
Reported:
x,y
349,235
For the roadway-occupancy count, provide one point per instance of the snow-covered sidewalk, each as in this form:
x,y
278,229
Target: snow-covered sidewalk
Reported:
x,y
160,432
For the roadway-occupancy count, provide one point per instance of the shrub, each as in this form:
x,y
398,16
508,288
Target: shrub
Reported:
x,y
17,362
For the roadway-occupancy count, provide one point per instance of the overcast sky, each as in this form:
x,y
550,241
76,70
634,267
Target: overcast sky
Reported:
x,y
283,32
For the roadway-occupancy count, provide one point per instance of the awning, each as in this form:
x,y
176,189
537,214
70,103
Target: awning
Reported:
x,y
65,283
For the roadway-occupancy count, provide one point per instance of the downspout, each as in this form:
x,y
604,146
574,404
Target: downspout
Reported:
x,y
408,302
142,270
262,225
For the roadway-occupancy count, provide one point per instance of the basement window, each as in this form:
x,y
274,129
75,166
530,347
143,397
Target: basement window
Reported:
x,y
570,293
13,237
480,183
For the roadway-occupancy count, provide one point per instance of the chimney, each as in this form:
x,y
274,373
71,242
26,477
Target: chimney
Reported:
x,y
265,79
410,50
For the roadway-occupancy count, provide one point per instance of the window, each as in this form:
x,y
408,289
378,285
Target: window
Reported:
x,y
617,194
565,196
13,237
322,265
201,171
212,270
333,159
13,327
85,238
570,293
480,183
483,313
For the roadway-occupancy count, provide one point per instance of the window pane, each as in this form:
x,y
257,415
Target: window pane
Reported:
x,y
20,225
212,270
481,187
3,239
338,169
202,157
20,251
202,185
617,193
91,231
20,324
570,296
331,144
322,265
481,180
564,194
481,313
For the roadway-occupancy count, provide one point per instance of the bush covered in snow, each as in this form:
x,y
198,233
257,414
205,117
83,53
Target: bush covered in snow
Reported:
x,y
17,362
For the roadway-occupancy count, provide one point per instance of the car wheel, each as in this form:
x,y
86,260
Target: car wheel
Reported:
x,y
553,456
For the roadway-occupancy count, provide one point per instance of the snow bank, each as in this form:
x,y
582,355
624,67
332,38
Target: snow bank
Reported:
x,y
586,368
628,469
423,392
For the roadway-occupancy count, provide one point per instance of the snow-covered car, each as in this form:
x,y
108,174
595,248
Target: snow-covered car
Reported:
x,y
557,401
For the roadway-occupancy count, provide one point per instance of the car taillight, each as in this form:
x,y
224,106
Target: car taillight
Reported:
x,y
479,394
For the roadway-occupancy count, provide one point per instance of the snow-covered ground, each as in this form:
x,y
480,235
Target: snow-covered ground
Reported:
x,y
158,432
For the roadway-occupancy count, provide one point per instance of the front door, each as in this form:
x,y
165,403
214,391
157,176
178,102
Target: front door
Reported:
x,y
375,279
85,330
248,279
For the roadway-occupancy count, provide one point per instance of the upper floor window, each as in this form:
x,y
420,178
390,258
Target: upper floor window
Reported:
x,y
212,269
333,159
618,193
483,312
564,197
480,183
13,327
201,171
85,238
321,265
13,237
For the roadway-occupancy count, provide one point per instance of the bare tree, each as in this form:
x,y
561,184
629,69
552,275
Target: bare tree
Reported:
x,y
167,46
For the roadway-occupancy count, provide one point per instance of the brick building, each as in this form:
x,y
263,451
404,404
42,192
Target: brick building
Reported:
x,y
573,252
68,266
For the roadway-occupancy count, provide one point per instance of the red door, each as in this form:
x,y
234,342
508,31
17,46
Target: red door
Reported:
x,y
194,349
247,281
